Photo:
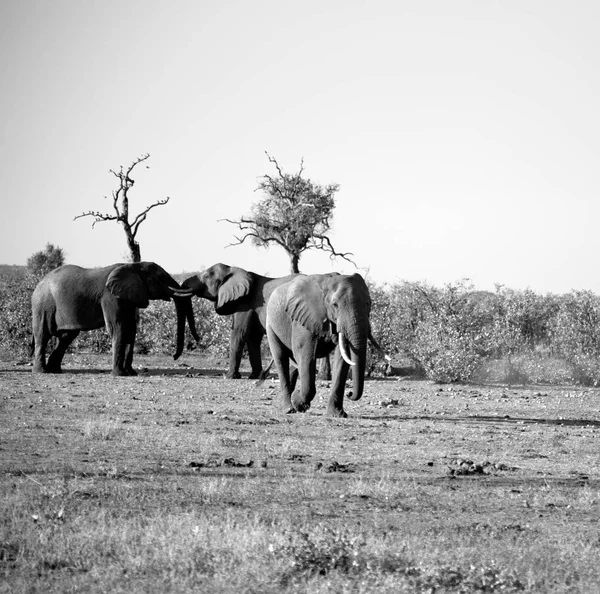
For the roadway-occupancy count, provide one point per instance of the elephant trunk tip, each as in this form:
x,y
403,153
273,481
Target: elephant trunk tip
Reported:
x,y
354,396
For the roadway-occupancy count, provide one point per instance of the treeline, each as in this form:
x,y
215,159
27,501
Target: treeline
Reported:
x,y
448,334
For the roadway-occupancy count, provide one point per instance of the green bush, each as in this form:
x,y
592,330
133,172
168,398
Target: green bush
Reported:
x,y
450,332
576,335
15,315
454,334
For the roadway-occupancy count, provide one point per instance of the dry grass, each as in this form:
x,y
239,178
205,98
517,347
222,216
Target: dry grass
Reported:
x,y
181,481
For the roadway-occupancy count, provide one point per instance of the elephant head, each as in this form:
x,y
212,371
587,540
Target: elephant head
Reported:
x,y
226,286
335,307
142,282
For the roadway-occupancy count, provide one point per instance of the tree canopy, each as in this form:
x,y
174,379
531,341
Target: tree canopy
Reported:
x,y
294,213
42,262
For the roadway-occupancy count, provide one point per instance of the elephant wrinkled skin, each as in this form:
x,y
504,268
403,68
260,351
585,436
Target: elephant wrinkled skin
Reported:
x,y
70,299
309,317
241,293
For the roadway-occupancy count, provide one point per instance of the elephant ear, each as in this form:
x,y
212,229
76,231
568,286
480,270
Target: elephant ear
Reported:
x,y
236,285
125,283
306,306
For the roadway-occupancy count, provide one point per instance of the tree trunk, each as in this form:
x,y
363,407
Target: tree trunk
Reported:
x,y
294,261
134,249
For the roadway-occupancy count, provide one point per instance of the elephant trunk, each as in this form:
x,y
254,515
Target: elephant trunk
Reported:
x,y
356,337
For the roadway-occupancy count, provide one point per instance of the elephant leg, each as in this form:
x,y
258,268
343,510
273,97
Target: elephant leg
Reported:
x,y
281,359
236,349
304,346
304,394
293,379
325,368
65,338
129,354
131,331
255,357
335,406
41,338
122,331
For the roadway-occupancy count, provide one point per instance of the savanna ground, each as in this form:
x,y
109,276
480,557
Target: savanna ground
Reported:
x,y
179,480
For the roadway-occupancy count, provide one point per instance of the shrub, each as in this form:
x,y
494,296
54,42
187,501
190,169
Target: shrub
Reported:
x,y
15,315
42,262
453,334
575,334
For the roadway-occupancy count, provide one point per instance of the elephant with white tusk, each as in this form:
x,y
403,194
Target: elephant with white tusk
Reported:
x,y
70,299
307,318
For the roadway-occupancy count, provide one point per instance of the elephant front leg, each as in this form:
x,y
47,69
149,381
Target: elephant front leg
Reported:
x,y
281,359
304,347
304,394
236,349
119,355
335,406
123,338
129,358
255,357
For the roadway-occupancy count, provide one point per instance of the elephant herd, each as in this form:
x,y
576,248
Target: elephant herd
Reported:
x,y
305,317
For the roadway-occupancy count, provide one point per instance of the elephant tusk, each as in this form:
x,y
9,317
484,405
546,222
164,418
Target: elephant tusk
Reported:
x,y
343,350
177,292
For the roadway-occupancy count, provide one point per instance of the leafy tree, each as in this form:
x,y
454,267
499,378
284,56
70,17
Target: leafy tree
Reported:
x,y
121,206
42,262
294,213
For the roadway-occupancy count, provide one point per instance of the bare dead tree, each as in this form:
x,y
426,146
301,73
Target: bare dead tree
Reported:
x,y
294,213
120,199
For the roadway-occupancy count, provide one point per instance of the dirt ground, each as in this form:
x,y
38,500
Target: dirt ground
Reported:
x,y
413,428
410,453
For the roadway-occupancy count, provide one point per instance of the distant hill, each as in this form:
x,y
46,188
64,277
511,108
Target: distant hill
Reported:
x,y
12,270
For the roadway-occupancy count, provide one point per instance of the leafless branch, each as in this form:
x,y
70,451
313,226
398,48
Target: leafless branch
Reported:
x,y
98,217
139,219
324,243
426,295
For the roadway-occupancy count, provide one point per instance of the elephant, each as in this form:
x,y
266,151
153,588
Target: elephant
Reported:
x,y
309,317
70,299
236,292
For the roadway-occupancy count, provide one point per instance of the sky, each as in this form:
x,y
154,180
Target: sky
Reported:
x,y
464,135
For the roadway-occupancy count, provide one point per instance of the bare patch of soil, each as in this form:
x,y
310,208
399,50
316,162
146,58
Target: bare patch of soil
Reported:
x,y
411,456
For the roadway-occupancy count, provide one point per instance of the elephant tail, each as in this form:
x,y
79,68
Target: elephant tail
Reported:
x,y
32,346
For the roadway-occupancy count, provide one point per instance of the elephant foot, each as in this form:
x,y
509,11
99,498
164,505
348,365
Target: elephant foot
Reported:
x,y
255,375
38,368
301,406
131,371
53,369
233,375
286,406
123,372
339,413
